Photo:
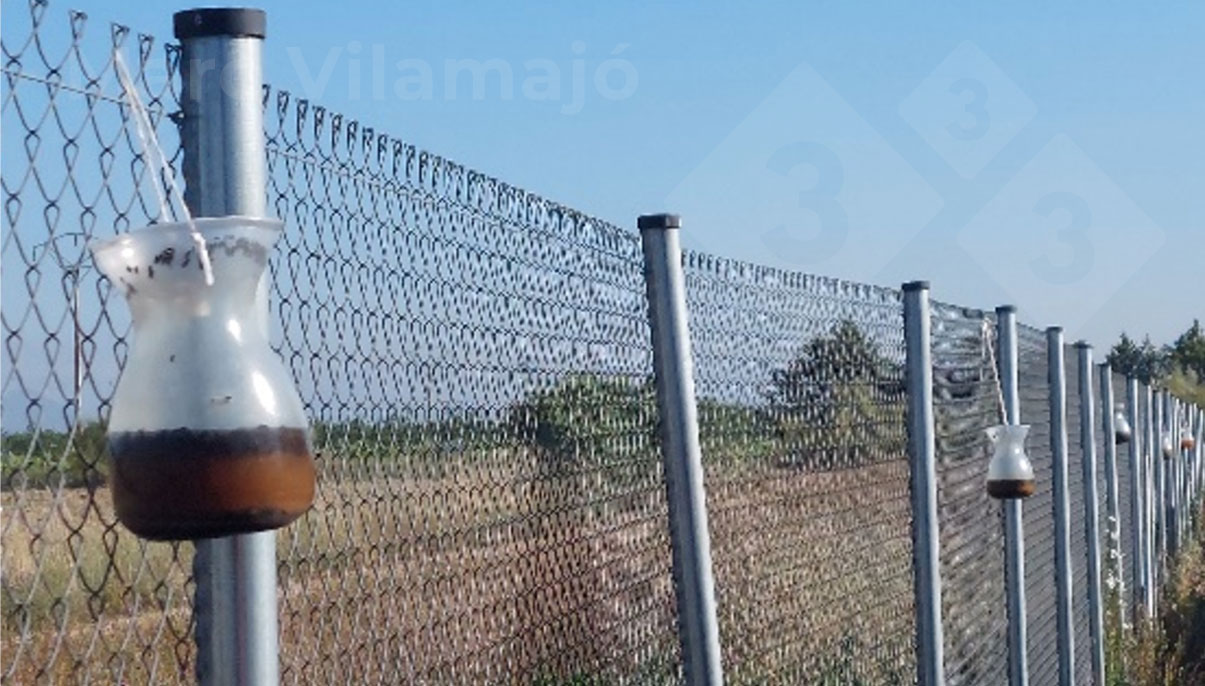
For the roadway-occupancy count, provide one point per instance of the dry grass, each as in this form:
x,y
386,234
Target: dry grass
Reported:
x,y
814,574
488,572
85,600
1170,651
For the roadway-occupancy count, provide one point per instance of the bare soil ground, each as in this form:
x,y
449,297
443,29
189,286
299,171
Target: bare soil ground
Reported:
x,y
490,572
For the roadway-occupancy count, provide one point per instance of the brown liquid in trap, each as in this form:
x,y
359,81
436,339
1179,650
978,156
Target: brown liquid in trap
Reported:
x,y
1011,488
188,484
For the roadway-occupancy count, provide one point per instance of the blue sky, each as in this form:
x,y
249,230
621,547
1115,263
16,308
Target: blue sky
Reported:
x,y
1105,96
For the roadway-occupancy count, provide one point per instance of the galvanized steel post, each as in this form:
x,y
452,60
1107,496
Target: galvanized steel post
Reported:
x,y
1087,439
1057,381
1194,459
698,630
1014,527
1137,495
1173,475
1198,451
1198,459
922,454
1159,484
1114,554
1150,503
222,134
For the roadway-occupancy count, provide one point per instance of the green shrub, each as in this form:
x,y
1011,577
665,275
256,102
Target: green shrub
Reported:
x,y
54,459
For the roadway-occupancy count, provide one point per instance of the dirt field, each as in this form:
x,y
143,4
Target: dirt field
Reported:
x,y
492,572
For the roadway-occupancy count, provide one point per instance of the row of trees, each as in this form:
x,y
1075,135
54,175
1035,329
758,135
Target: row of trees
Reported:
x,y
1179,366
838,402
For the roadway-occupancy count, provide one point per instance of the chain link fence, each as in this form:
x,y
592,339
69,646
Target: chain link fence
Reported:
x,y
477,366
83,599
967,400
1078,518
1041,603
476,363
1121,557
801,414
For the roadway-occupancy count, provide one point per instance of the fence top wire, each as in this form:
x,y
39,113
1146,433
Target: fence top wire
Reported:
x,y
324,139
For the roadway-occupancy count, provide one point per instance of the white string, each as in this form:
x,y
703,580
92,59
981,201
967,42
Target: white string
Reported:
x,y
991,355
154,153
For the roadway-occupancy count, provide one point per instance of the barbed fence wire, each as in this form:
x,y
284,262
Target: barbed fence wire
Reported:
x,y
477,366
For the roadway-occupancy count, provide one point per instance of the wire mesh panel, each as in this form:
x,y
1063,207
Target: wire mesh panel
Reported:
x,y
476,361
966,401
801,408
84,601
1077,514
1040,599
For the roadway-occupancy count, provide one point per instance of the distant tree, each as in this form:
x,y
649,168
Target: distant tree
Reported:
x,y
731,433
813,380
839,402
51,459
1147,362
1187,387
1188,352
587,419
1124,356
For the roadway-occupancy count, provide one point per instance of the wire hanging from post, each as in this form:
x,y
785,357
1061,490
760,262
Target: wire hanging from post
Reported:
x,y
990,353
154,154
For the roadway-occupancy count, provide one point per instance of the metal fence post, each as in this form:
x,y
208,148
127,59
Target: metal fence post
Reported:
x,y
1198,459
1057,380
1198,451
1186,422
1195,464
1195,468
1182,461
1194,459
922,453
1137,494
1150,503
1199,455
222,134
1087,437
1177,469
673,366
1156,451
1186,418
1173,475
1114,554
1014,528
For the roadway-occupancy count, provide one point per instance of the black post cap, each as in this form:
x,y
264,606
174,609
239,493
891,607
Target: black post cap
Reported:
x,y
1006,309
1054,329
659,221
915,286
1083,344
234,22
